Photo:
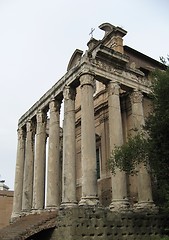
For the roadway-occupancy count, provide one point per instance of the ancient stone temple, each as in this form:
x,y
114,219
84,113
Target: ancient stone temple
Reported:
x,y
62,176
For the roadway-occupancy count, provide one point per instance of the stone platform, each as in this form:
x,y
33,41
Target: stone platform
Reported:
x,y
87,223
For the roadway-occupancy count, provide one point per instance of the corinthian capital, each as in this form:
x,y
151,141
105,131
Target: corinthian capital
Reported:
x,y
113,88
21,134
29,126
136,96
54,105
69,93
87,78
41,116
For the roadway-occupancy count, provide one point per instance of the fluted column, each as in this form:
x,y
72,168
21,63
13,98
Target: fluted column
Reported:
x,y
119,185
88,142
28,168
145,199
69,154
53,173
40,162
19,174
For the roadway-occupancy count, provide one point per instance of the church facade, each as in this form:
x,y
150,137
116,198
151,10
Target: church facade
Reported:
x,y
105,94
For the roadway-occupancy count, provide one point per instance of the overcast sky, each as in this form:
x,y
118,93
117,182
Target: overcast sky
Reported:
x,y
38,37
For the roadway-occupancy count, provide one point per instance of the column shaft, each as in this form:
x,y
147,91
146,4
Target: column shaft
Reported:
x,y
119,185
19,174
144,182
88,143
40,162
69,147
53,177
28,169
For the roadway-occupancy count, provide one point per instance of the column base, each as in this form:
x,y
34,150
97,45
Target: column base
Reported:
x,y
145,207
51,208
89,201
37,211
26,212
68,205
119,205
15,217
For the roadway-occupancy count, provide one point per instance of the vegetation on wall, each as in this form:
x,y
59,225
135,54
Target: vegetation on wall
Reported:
x,y
152,145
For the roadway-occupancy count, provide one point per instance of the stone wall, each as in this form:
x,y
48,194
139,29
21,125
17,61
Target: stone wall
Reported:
x,y
87,223
81,223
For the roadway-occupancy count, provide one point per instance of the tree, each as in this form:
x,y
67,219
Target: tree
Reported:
x,y
152,145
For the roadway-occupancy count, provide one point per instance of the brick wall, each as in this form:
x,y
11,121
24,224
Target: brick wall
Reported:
x,y
6,201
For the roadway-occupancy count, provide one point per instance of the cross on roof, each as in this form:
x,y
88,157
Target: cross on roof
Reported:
x,y
91,32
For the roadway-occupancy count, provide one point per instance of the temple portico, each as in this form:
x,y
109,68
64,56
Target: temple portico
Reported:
x,y
101,103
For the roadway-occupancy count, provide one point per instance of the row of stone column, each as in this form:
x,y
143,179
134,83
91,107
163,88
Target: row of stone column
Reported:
x,y
119,184
29,192
31,154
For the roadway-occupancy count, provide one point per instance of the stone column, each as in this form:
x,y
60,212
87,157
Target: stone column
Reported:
x,y
69,150
53,176
19,174
88,142
145,199
40,162
119,185
28,168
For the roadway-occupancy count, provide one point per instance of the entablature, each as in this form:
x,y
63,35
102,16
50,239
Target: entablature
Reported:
x,y
104,72
110,55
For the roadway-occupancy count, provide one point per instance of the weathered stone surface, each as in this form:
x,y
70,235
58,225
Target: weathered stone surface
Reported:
x,y
145,199
28,225
19,173
83,223
86,223
101,115
40,161
88,143
27,193
69,150
53,172
119,185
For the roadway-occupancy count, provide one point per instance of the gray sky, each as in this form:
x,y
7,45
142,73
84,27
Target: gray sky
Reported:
x,y
38,37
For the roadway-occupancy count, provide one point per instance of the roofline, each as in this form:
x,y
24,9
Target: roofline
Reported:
x,y
161,65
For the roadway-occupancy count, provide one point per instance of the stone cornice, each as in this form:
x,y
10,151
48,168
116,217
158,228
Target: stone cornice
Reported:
x,y
103,71
108,53
55,91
